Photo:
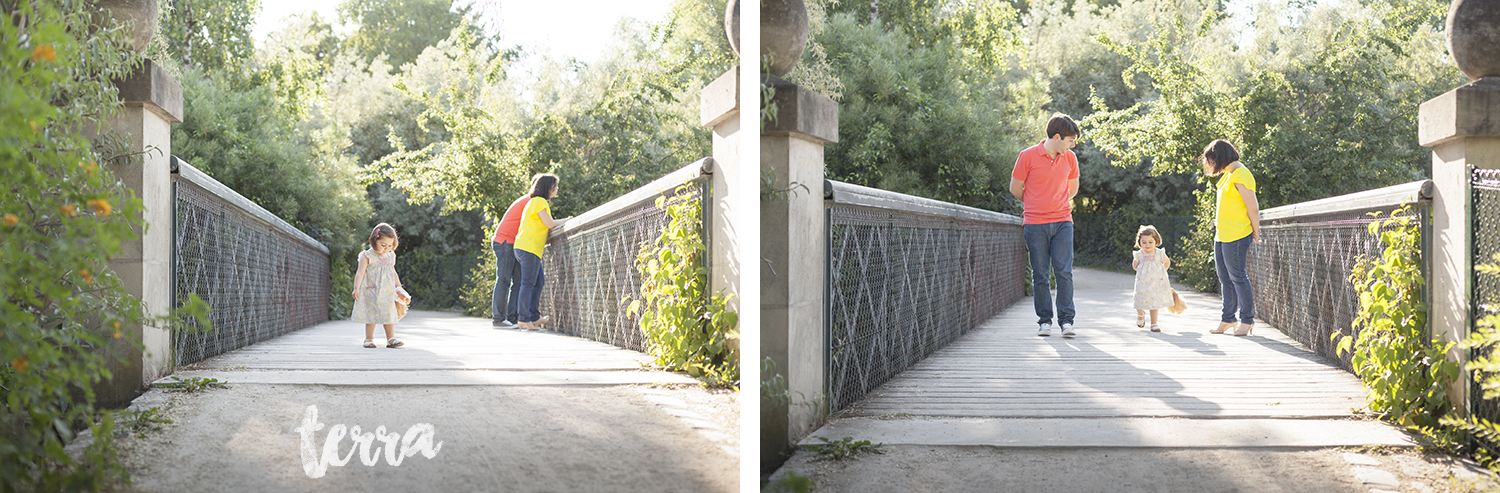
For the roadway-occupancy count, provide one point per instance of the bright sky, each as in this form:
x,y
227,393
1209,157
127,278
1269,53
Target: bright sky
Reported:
x,y
567,28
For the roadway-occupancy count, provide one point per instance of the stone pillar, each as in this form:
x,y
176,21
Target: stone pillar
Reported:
x,y
719,109
1462,127
793,276
151,102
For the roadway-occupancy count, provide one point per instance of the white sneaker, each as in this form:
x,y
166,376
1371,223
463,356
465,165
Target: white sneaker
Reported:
x,y
505,324
1068,330
1044,329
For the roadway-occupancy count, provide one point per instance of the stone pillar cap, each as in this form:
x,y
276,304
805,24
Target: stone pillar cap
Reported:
x,y
153,88
1471,110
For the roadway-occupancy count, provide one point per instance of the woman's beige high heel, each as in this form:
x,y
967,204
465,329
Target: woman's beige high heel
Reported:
x,y
1244,329
1223,326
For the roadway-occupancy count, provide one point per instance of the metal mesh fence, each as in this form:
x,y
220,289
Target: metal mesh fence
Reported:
x,y
259,281
902,285
592,270
1300,274
1486,288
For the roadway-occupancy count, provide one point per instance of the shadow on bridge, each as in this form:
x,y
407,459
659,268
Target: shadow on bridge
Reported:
x,y
1114,369
441,349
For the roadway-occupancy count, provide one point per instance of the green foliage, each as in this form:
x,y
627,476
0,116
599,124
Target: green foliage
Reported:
x,y
139,421
210,35
400,29
689,329
1296,91
1406,371
244,139
912,120
1485,368
843,449
791,483
192,385
479,288
64,314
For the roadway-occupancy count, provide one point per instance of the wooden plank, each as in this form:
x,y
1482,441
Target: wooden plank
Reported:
x,y
1002,369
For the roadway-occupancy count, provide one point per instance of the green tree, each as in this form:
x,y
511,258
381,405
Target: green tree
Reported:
x,y
912,122
213,35
399,29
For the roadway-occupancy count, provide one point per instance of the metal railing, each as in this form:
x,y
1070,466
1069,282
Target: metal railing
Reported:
x,y
1485,295
907,276
1300,273
590,261
260,276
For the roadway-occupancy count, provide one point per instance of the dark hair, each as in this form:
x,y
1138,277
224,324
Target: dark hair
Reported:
x,y
1220,154
1147,230
542,184
383,230
1061,124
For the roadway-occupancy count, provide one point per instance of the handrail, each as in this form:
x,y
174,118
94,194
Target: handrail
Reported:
x,y
850,194
193,175
647,193
1369,199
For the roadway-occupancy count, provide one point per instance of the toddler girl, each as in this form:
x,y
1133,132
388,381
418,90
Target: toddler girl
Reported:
x,y
377,287
1152,290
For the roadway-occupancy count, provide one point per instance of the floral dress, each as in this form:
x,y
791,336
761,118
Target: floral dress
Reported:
x,y
1152,289
377,295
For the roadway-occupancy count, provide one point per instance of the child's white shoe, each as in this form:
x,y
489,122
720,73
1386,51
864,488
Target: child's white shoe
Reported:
x,y
394,343
369,343
1140,320
1155,328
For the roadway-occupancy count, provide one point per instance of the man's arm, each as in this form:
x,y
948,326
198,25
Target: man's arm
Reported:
x,y
1072,188
1016,187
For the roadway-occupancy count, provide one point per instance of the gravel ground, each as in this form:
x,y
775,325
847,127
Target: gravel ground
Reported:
x,y
918,468
493,438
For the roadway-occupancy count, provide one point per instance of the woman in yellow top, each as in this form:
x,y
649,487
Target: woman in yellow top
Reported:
x,y
536,222
1236,224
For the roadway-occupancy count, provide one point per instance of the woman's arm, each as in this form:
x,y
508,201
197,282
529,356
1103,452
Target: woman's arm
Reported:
x,y
359,276
1252,206
546,217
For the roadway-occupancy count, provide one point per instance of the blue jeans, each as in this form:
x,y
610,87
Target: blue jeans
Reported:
x,y
1050,247
532,280
507,292
1234,280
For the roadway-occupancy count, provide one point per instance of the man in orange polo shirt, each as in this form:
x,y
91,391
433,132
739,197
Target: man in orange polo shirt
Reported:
x,y
505,300
1046,179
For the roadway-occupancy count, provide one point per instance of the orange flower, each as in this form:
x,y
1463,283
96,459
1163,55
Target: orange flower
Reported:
x,y
68,210
101,206
117,334
91,167
20,364
10,220
116,324
43,53
88,277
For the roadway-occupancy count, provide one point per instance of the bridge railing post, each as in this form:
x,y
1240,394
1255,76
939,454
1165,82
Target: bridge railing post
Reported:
x,y
152,101
1462,127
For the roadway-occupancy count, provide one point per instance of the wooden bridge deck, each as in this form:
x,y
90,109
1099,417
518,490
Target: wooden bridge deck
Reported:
x,y
1113,369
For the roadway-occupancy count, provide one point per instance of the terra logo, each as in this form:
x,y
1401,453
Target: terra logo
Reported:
x,y
417,440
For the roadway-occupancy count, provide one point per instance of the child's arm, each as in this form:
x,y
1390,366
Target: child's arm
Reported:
x,y
359,276
400,292
1166,261
1135,264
